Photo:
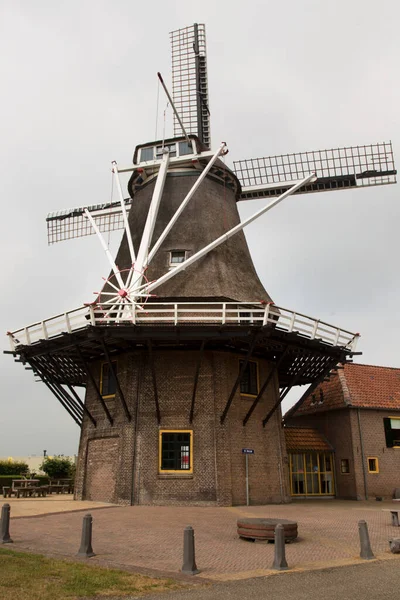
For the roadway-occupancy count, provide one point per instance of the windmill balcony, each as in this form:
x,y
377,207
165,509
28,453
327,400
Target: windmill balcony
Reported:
x,y
218,314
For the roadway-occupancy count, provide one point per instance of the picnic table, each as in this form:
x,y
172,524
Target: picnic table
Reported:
x,y
61,486
25,488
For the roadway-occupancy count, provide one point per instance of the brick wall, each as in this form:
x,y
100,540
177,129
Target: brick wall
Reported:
x,y
374,445
341,429
218,474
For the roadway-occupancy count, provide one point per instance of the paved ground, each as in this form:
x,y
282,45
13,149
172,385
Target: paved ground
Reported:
x,y
56,503
148,537
373,581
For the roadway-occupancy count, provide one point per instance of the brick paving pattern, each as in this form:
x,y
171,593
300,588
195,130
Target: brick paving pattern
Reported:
x,y
151,537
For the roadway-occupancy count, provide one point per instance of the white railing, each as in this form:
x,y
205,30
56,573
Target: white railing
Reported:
x,y
212,313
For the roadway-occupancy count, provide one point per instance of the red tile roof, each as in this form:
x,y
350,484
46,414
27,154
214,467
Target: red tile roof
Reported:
x,y
305,438
361,386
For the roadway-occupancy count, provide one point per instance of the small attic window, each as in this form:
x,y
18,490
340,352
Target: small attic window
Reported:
x,y
176,257
313,400
185,148
146,154
321,397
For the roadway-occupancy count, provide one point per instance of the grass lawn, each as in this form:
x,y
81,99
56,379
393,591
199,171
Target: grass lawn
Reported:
x,y
34,577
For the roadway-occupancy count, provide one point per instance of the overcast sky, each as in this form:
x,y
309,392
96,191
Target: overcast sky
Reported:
x,y
79,89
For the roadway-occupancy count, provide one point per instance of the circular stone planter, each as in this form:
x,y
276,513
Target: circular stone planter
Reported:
x,y
263,530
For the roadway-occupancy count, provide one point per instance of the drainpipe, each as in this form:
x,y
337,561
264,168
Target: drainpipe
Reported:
x,y
362,455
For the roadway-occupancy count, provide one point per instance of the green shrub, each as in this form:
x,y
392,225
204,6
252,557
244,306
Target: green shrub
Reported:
x,y
8,467
58,467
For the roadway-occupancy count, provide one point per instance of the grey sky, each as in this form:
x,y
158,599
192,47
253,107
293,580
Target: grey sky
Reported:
x,y
79,89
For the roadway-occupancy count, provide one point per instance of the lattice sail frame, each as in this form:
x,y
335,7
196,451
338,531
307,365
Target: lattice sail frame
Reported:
x,y
336,168
72,223
189,81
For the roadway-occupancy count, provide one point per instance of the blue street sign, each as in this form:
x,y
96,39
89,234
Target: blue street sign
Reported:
x,y
247,451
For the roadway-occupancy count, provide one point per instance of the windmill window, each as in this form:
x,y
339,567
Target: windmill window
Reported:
x,y
392,431
176,257
147,154
108,385
160,150
176,451
249,382
185,148
373,466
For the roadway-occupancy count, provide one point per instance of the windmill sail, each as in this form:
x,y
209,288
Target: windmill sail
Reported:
x,y
72,223
336,169
189,81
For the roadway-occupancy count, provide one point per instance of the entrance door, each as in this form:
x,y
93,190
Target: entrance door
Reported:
x,y
311,474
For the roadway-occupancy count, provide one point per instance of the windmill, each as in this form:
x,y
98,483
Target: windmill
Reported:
x,y
183,348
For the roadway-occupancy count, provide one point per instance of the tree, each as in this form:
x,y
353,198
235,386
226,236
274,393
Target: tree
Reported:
x,y
58,467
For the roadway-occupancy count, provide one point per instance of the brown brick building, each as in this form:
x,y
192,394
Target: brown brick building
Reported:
x,y
358,414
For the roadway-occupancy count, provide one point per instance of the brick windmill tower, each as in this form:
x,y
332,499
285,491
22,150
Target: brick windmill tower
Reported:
x,y
184,359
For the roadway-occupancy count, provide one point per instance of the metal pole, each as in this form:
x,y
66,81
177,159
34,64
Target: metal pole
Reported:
x,y
148,230
247,480
221,150
123,207
173,107
362,455
227,235
105,248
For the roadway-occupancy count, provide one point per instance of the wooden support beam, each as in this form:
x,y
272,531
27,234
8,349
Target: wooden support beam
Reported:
x,y
73,405
311,388
43,378
239,378
84,407
153,375
295,378
113,373
272,372
94,384
196,379
81,404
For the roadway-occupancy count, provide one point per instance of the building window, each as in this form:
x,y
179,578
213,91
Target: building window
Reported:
x,y
344,465
176,257
185,148
176,451
108,384
146,154
249,382
160,150
392,431
373,466
311,474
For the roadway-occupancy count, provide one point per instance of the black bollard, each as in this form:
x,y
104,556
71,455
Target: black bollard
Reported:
x,y
86,550
366,550
280,563
189,562
5,525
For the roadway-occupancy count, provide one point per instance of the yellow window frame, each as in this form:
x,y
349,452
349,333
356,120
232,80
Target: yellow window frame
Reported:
x,y
376,464
176,471
308,472
101,379
258,378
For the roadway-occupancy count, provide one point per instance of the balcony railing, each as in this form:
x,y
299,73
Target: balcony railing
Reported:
x,y
184,313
